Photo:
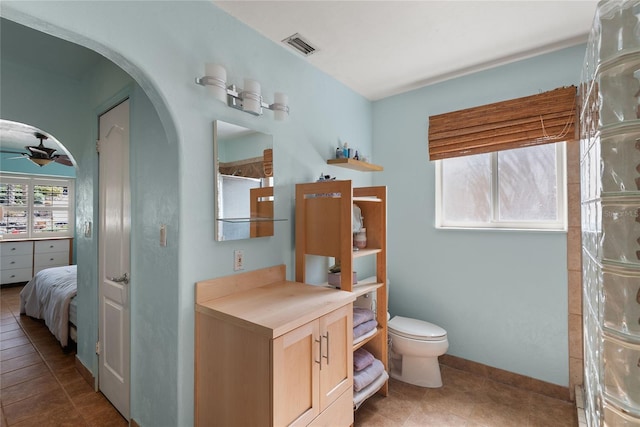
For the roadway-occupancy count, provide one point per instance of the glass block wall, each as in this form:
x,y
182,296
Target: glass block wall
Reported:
x,y
610,199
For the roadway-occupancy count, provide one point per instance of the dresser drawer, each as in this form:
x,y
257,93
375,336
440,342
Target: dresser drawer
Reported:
x,y
46,246
15,275
15,261
16,248
51,259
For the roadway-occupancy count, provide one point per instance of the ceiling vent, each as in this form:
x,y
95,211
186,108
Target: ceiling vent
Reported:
x,y
300,44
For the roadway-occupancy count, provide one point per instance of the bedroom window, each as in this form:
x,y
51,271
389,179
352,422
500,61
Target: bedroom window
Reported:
x,y
513,189
35,206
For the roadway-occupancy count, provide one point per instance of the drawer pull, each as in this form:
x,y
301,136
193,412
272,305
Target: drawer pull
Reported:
x,y
51,246
327,338
12,262
13,275
51,259
319,361
13,249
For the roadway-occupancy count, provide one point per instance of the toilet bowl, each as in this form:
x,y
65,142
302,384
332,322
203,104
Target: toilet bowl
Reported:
x,y
414,350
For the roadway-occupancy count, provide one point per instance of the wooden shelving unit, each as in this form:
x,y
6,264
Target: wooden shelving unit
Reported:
x,y
355,164
324,226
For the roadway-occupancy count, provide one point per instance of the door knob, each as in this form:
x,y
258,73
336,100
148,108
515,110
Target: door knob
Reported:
x,y
122,279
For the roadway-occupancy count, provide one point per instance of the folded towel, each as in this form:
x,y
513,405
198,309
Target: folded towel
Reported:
x,y
361,359
361,315
363,378
363,328
360,396
365,336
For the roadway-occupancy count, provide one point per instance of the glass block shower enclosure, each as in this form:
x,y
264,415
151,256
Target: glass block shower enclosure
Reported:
x,y
610,199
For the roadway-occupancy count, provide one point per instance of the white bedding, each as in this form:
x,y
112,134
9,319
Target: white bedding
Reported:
x,y
47,296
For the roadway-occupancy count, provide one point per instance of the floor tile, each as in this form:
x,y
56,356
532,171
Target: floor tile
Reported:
x,y
20,362
23,374
56,418
45,383
16,333
12,352
36,405
14,342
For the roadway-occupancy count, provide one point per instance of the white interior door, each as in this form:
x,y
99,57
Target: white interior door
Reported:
x,y
114,243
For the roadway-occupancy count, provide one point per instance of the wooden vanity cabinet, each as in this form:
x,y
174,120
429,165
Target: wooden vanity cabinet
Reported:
x,y
269,352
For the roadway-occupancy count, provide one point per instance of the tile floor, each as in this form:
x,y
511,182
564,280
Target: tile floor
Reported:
x,y
465,400
39,384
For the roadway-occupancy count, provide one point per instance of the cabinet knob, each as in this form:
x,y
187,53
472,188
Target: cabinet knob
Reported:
x,y
12,262
13,249
51,259
51,246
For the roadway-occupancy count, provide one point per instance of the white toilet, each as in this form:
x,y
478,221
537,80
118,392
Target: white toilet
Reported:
x,y
414,350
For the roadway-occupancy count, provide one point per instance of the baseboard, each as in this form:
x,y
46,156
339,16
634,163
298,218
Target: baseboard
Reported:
x,y
85,373
133,423
506,377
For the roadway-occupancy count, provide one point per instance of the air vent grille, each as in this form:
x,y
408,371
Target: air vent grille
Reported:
x,y
301,45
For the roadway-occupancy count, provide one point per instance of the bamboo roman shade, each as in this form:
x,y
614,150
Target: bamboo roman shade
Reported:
x,y
538,119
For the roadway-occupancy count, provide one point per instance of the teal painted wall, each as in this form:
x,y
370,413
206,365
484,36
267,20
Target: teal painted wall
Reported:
x,y
501,295
164,64
497,293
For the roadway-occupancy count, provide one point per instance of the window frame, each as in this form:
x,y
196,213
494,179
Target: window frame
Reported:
x,y
41,180
559,225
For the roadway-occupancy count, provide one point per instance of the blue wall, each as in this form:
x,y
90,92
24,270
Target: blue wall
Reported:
x,y
501,295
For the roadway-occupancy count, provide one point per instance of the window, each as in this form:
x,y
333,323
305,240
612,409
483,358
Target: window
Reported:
x,y
34,206
523,188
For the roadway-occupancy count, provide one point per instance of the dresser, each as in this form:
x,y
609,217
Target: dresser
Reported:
x,y
270,352
22,259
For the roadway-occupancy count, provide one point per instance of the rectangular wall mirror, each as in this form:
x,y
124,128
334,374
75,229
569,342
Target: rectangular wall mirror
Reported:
x,y
243,182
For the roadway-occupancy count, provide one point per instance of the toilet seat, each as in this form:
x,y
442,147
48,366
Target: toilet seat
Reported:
x,y
416,329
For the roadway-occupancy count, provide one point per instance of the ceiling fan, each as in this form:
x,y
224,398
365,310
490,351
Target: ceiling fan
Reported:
x,y
41,155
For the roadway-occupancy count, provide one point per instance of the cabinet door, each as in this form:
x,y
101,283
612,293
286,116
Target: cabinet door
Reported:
x,y
296,365
336,369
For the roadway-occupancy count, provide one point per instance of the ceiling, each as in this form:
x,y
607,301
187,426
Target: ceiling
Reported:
x,y
382,48
377,48
34,49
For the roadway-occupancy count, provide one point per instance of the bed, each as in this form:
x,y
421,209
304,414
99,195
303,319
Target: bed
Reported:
x,y
50,295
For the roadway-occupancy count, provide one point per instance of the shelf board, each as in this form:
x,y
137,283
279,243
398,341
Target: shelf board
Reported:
x,y
355,164
364,252
364,288
253,219
364,341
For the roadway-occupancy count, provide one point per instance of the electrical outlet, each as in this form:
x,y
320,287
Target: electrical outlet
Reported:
x,y
238,260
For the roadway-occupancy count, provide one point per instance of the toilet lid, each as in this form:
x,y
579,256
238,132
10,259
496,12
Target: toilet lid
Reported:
x,y
416,329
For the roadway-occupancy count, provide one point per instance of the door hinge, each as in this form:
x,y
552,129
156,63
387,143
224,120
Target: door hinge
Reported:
x,y
98,348
98,146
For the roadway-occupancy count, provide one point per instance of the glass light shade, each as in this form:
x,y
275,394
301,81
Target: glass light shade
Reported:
x,y
217,86
280,110
251,97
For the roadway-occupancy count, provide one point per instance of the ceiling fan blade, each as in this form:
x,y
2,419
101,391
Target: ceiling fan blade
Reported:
x,y
63,159
24,156
40,151
12,152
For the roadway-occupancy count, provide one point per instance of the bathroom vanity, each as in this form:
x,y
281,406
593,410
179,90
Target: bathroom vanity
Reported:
x,y
270,352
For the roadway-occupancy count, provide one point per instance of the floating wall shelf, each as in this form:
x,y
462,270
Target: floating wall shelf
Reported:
x,y
355,164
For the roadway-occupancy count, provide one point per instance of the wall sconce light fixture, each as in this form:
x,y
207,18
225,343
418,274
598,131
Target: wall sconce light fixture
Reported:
x,y
248,99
